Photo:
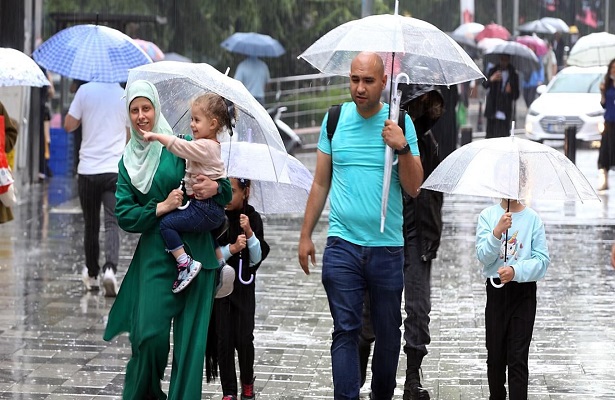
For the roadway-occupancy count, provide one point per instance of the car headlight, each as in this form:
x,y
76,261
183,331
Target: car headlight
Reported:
x,y
601,127
532,112
595,113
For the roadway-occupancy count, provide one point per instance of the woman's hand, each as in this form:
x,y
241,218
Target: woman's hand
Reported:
x,y
244,222
239,244
204,188
173,200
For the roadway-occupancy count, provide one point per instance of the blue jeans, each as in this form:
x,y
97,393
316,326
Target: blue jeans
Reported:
x,y
348,270
199,216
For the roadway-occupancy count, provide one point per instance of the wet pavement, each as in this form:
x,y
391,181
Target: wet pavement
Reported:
x,y
51,343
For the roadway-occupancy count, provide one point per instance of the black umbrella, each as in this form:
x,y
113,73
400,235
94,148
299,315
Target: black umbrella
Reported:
x,y
521,57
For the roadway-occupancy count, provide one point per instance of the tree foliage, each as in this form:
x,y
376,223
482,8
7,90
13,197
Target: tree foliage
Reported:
x,y
196,28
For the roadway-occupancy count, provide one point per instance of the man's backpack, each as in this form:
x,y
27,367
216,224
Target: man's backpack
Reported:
x,y
334,117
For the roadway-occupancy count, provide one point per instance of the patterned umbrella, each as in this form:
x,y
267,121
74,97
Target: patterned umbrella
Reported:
x,y
91,53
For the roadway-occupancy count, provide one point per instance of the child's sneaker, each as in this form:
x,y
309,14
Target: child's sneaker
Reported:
x,y
247,391
185,274
225,281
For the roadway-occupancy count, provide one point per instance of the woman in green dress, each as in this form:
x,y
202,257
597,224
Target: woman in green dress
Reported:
x,y
145,306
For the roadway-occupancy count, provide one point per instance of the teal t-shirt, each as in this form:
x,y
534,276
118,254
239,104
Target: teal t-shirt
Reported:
x,y
357,152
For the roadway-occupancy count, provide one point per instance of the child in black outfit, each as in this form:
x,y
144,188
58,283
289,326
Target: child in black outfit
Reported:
x,y
244,248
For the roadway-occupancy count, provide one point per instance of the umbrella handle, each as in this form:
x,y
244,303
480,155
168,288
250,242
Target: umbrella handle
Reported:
x,y
181,187
240,274
495,285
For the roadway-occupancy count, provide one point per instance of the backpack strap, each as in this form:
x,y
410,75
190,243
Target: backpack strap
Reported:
x,y
334,117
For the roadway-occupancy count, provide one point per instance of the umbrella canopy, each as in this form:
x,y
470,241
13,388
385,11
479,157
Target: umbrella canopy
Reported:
x,y
17,69
595,49
537,26
510,168
487,44
557,23
150,49
91,53
521,57
536,44
493,31
253,44
469,29
425,52
288,195
179,83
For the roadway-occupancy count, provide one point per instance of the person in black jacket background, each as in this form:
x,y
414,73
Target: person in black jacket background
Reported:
x,y
503,84
422,231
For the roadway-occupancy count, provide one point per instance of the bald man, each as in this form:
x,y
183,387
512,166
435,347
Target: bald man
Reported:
x,y
358,257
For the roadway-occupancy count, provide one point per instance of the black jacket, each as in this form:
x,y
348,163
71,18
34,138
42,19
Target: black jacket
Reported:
x,y
234,230
423,214
497,99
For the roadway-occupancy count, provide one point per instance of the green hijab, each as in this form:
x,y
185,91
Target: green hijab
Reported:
x,y
141,158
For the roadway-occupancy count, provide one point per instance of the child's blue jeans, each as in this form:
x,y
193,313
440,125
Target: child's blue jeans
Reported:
x,y
199,216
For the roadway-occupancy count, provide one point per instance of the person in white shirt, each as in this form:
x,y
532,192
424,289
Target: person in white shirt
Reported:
x,y
99,108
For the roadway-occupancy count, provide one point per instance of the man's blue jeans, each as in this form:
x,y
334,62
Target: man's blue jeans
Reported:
x,y
348,271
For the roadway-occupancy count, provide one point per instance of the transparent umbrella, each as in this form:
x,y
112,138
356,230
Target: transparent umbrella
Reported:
x,y
17,69
510,168
593,50
179,83
427,54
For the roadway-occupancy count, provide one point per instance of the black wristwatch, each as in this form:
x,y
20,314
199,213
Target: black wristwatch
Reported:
x,y
404,150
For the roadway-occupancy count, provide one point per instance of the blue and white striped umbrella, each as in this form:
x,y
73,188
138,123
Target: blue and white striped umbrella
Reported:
x,y
91,53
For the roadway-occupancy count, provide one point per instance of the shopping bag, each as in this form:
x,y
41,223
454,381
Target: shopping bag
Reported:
x,y
462,114
7,191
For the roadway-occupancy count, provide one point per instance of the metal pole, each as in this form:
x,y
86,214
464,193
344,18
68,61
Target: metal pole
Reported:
x,y
367,7
515,16
607,16
498,12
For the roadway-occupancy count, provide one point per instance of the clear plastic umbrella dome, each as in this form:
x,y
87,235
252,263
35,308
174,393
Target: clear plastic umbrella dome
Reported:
x,y
91,53
17,69
179,83
289,195
592,50
511,168
427,54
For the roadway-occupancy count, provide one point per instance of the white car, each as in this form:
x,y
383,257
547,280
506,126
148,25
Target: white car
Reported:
x,y
572,98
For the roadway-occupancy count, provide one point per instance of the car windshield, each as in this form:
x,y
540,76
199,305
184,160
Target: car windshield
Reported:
x,y
576,83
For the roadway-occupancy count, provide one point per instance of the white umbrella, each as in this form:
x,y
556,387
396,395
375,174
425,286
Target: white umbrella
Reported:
x,y
592,50
469,29
179,83
17,69
557,23
426,53
537,26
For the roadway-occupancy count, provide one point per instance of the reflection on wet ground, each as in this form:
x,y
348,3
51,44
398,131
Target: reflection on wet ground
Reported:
x,y
51,343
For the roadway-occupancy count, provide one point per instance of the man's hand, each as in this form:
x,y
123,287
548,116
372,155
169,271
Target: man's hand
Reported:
x,y
392,135
307,252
